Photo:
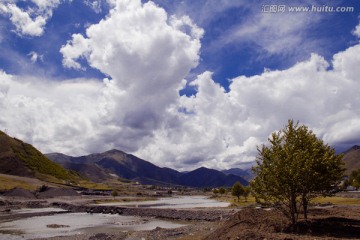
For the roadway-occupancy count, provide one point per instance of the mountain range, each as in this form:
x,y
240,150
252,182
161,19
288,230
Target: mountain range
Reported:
x,y
98,167
247,174
22,159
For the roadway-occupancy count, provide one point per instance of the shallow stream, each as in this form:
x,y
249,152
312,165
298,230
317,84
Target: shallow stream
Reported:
x,y
174,203
74,223
57,223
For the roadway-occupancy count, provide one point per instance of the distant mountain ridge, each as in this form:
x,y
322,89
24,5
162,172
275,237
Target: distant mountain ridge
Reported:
x,y
247,174
133,168
204,177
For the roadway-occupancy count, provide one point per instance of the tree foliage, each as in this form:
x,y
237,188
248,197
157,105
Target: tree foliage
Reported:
x,y
355,178
246,193
222,190
114,193
295,168
215,191
237,190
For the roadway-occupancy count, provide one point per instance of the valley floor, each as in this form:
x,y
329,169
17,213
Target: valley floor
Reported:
x,y
330,222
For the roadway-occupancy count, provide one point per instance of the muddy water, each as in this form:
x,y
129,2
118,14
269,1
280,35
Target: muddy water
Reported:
x,y
175,203
76,223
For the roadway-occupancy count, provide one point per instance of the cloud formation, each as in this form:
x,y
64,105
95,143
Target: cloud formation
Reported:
x,y
222,129
146,54
30,21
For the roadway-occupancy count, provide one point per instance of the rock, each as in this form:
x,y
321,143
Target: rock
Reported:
x,y
57,226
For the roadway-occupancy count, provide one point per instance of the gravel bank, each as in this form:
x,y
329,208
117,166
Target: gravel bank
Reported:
x,y
172,214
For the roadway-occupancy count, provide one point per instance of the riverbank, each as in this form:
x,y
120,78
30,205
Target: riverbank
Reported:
x,y
184,223
325,222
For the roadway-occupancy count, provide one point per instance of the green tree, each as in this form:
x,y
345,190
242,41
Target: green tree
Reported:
x,y
114,193
295,168
246,193
222,190
215,191
355,178
237,190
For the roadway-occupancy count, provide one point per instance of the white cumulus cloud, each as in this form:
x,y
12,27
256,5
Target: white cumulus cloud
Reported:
x,y
222,129
30,21
356,31
146,55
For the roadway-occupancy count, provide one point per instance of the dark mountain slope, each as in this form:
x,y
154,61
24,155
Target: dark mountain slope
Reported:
x,y
122,164
22,159
352,159
131,167
245,174
91,171
204,177
84,166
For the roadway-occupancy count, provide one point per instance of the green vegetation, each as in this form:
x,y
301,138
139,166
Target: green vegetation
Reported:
x,y
114,193
124,180
237,190
355,179
31,162
337,200
222,190
10,182
246,193
36,161
234,202
296,168
92,185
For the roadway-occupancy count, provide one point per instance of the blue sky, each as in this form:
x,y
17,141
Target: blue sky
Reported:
x,y
201,83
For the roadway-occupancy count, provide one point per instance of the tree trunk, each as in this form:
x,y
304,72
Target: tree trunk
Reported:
x,y
305,204
293,210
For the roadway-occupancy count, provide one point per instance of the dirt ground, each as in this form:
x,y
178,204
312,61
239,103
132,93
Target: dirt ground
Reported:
x,y
322,223
252,224
339,222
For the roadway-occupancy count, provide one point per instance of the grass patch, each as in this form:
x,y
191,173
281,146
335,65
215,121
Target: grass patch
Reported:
x,y
93,186
234,201
36,161
7,183
337,200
